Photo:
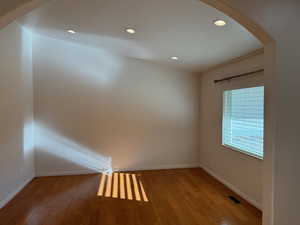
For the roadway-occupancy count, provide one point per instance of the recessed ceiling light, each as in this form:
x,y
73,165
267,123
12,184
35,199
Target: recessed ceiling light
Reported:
x,y
130,30
220,23
71,31
174,57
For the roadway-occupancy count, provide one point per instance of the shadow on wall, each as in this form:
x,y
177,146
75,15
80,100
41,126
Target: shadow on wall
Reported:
x,y
69,156
96,66
122,46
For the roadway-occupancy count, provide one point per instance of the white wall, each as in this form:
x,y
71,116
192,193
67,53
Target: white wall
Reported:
x,y
16,133
280,19
240,171
139,114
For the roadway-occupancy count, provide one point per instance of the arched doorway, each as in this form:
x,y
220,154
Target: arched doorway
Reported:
x,y
14,10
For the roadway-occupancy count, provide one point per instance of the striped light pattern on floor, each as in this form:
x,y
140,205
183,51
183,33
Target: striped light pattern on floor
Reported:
x,y
123,186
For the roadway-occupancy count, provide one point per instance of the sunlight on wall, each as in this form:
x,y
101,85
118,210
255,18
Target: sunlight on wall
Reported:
x,y
122,186
117,106
27,102
28,138
26,58
54,144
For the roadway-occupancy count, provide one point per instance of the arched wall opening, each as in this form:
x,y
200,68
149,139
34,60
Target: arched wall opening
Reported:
x,y
21,7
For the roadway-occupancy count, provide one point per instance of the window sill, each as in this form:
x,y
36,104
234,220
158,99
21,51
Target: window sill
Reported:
x,y
242,152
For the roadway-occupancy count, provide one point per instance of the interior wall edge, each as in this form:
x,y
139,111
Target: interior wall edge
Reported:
x,y
16,164
233,188
14,192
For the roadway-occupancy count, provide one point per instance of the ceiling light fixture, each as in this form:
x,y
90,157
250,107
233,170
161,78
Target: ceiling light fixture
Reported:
x,y
71,31
130,30
220,23
174,58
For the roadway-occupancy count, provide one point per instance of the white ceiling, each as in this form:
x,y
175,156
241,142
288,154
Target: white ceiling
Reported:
x,y
165,28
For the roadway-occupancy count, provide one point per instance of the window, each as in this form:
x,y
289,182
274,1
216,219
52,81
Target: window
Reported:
x,y
243,120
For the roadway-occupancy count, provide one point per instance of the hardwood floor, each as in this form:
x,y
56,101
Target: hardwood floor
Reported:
x,y
176,197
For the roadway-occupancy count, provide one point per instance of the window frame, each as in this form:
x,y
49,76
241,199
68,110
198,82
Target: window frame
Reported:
x,y
234,149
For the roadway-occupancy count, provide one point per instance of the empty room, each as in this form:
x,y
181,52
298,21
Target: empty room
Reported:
x,y
162,112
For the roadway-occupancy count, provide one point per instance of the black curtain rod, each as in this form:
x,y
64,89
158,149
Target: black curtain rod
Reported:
x,y
240,75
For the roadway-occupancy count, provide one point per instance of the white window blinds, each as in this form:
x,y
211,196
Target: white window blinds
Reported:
x,y
243,120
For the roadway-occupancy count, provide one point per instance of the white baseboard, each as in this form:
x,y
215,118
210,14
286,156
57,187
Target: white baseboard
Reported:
x,y
65,173
82,172
233,188
13,193
159,167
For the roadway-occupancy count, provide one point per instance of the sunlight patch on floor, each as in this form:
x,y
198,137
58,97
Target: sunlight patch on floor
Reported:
x,y
123,186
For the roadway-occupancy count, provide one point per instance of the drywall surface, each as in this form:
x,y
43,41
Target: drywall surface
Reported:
x,y
280,19
91,107
242,172
16,133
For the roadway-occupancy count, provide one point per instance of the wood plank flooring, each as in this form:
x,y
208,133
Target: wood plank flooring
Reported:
x,y
175,197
